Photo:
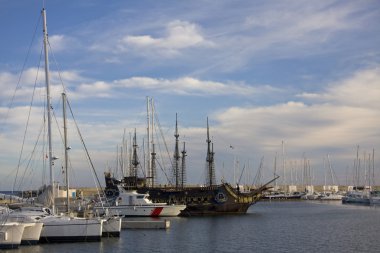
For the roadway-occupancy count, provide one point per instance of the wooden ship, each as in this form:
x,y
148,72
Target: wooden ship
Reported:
x,y
211,199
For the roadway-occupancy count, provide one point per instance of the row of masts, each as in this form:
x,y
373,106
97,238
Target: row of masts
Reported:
x,y
178,163
363,171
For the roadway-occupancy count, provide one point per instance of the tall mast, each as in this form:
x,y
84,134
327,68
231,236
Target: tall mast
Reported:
x,y
66,151
283,164
275,171
135,161
48,105
373,167
210,159
183,168
123,155
176,154
148,169
153,166
152,159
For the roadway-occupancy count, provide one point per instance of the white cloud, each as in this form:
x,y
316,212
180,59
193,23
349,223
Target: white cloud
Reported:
x,y
179,35
96,89
362,89
346,114
187,86
286,29
35,77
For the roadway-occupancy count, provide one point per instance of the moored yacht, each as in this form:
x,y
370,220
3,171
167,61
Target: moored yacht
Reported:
x,y
357,197
58,228
131,203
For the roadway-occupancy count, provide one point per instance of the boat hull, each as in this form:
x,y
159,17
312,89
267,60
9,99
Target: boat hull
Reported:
x,y
203,200
32,233
200,201
361,198
145,211
66,229
10,235
111,227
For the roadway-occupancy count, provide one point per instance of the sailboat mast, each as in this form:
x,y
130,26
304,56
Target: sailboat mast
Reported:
x,y
275,171
48,105
210,159
135,161
152,155
66,150
373,167
183,168
148,159
283,165
176,155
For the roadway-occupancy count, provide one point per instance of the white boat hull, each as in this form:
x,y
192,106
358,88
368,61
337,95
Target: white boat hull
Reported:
x,y
10,235
66,229
111,227
32,233
145,211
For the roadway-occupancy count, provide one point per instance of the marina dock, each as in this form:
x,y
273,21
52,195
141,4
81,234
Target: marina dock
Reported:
x,y
145,224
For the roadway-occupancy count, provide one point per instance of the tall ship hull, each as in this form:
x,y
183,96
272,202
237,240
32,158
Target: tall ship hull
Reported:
x,y
212,199
207,200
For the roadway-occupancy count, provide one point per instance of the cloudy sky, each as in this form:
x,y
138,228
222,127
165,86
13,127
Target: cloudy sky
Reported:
x,y
264,72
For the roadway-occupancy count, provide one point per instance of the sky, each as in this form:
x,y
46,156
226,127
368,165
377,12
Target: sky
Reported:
x,y
281,82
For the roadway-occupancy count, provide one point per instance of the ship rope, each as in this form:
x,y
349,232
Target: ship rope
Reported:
x,y
26,125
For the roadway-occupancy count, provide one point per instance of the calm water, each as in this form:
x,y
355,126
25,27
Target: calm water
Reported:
x,y
268,227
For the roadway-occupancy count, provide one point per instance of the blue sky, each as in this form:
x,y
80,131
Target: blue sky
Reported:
x,y
306,73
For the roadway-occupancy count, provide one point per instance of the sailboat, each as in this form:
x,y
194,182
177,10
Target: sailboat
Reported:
x,y
358,194
59,228
111,226
130,203
32,228
330,192
212,199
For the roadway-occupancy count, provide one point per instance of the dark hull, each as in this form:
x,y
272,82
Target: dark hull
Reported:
x,y
111,234
213,200
65,239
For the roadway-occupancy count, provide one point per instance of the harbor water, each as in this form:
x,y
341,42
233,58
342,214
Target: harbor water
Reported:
x,y
277,226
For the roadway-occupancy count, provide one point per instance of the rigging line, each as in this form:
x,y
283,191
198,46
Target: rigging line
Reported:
x,y
58,68
160,155
163,170
21,73
85,147
64,90
27,125
162,135
30,158
158,125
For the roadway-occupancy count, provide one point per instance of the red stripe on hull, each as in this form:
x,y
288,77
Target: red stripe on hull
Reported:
x,y
156,211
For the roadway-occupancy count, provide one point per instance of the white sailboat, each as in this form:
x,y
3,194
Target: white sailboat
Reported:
x,y
374,197
330,192
358,194
60,228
